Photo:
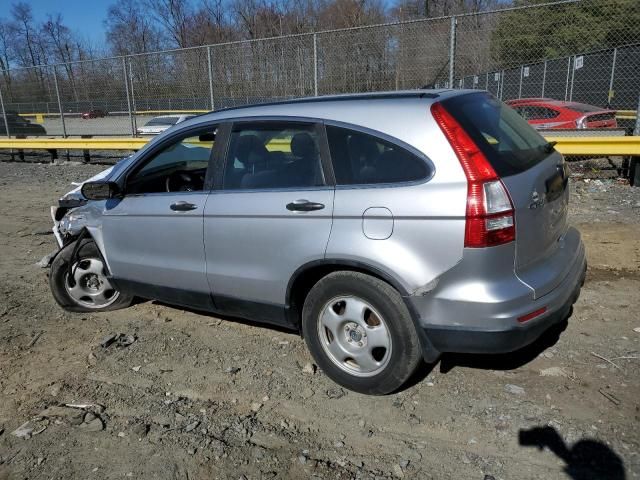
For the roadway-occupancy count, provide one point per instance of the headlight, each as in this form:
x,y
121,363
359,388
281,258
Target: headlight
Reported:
x,y
70,221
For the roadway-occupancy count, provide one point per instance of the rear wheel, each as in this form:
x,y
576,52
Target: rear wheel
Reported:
x,y
360,332
85,286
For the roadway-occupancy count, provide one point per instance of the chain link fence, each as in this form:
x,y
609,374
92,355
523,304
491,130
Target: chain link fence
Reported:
x,y
580,50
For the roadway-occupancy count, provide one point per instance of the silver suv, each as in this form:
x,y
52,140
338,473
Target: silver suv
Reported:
x,y
386,228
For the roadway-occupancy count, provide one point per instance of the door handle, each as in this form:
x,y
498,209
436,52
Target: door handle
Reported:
x,y
182,206
304,206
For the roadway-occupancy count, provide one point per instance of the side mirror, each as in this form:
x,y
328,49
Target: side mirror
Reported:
x,y
100,190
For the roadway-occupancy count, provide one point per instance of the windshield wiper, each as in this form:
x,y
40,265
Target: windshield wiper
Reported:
x,y
548,147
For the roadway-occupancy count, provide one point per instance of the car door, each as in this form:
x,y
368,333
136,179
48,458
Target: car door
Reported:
x,y
271,214
153,236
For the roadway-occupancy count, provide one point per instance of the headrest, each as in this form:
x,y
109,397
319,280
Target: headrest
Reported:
x,y
303,145
250,149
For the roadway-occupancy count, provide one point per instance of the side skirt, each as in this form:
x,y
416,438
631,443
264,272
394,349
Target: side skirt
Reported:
x,y
272,314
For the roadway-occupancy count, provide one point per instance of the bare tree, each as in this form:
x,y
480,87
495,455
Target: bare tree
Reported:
x,y
6,54
129,29
176,17
63,47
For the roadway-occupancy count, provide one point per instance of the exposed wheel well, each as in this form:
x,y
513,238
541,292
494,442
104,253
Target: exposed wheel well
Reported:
x,y
303,282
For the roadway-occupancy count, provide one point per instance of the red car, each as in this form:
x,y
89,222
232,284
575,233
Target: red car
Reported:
x,y
94,113
549,114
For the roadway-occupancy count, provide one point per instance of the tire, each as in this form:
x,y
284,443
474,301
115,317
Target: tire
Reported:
x,y
94,292
360,333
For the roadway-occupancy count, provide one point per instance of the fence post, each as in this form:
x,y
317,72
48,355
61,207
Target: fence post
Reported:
x,y
452,50
573,76
55,82
636,129
566,87
634,171
613,72
486,81
126,85
133,97
315,64
4,114
544,78
501,85
520,87
210,75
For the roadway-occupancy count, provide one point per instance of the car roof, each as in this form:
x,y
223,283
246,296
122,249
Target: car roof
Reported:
x,y
389,95
332,106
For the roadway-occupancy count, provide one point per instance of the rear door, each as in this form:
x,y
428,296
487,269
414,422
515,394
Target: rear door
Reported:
x,y
535,176
270,213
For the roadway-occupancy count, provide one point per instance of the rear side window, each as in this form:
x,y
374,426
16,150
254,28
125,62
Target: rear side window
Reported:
x,y
507,140
273,155
360,159
538,113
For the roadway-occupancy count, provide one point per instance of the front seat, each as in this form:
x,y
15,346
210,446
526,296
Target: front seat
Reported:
x,y
255,157
304,170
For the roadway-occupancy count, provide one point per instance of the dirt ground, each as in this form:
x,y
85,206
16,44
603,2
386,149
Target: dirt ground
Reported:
x,y
198,397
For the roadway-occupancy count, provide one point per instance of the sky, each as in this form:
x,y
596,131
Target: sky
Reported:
x,y
83,16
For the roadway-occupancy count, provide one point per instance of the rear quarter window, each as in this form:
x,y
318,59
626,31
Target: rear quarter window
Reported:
x,y
359,158
508,141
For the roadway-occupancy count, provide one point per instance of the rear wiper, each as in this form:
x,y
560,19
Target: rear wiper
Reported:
x,y
548,147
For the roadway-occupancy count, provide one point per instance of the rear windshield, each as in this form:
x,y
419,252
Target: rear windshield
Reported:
x,y
162,121
507,140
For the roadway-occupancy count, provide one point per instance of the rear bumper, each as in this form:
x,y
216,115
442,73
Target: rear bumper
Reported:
x,y
463,315
463,339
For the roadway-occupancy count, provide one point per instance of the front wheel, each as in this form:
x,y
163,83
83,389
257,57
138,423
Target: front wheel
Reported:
x,y
360,332
85,286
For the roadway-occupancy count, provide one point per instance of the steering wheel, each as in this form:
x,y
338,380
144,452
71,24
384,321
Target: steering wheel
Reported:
x,y
182,181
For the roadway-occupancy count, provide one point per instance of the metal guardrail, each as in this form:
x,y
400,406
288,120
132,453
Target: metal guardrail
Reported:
x,y
125,143
566,145
626,114
604,146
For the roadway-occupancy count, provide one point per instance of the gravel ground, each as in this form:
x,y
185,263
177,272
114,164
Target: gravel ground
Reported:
x,y
194,396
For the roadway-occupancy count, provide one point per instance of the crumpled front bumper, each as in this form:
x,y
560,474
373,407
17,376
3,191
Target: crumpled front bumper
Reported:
x,y
56,227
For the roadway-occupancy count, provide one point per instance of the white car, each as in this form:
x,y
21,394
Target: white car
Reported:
x,y
159,124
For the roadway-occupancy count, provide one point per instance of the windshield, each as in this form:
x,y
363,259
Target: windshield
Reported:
x,y
154,122
510,144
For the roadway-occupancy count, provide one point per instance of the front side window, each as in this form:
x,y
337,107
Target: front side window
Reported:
x,y
179,167
359,159
273,155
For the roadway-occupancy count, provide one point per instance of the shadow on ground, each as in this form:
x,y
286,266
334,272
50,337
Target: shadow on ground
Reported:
x,y
587,459
505,361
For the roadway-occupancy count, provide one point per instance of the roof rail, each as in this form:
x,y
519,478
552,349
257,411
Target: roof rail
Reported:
x,y
339,98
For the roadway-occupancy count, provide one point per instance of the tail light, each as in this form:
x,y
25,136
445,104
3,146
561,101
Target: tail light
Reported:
x,y
490,215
